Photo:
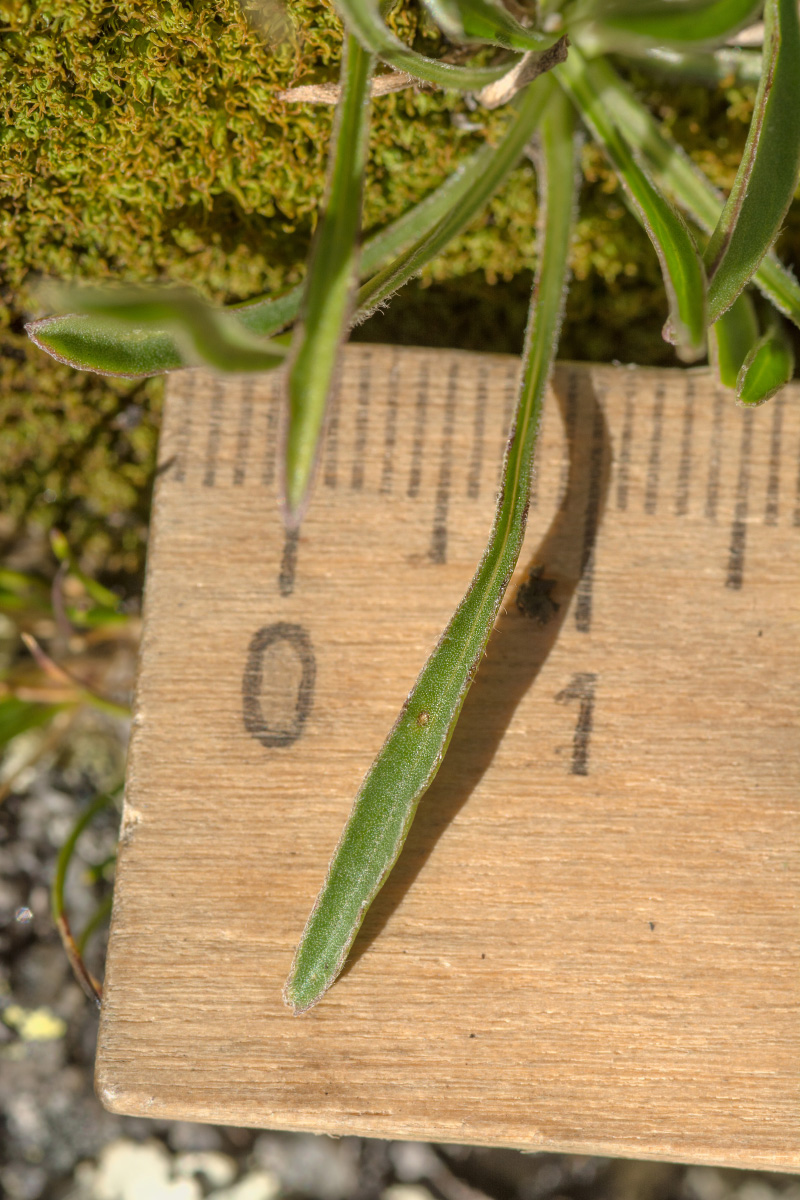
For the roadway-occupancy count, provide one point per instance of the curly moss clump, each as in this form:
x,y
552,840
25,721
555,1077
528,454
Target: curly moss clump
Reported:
x,y
145,140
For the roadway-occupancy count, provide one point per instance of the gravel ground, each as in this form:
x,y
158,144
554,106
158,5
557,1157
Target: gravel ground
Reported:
x,y
57,1142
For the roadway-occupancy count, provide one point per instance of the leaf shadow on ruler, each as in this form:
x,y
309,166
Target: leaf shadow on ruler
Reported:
x,y
519,645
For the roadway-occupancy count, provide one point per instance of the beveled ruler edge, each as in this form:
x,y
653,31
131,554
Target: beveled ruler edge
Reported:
x,y
144,1105
353,1124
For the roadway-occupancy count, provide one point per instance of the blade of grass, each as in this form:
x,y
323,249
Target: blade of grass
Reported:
x,y
98,918
101,595
711,67
488,176
732,337
767,177
18,716
768,367
681,266
61,675
84,976
330,284
685,182
406,765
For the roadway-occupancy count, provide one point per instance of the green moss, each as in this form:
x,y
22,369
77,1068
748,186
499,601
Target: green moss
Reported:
x,y
143,140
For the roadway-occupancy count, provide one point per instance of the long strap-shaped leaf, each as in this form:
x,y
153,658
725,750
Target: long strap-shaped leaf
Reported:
x,y
684,181
688,24
365,19
138,331
767,177
681,265
330,283
710,67
410,757
485,182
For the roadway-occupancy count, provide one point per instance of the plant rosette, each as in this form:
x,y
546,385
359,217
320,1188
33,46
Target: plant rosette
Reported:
x,y
559,73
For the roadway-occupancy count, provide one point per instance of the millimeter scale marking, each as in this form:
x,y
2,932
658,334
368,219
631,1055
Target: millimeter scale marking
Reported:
x,y
590,941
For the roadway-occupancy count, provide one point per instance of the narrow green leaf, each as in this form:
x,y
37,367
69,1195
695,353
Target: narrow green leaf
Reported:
x,y
487,176
688,186
732,337
411,756
485,21
681,265
681,23
364,19
19,590
767,368
331,281
767,177
101,595
106,346
87,981
18,716
201,334
98,919
709,67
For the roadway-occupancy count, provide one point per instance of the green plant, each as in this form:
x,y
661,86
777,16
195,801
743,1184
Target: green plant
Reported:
x,y
551,70
41,699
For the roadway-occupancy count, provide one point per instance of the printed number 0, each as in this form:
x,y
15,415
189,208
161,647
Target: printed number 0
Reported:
x,y
281,729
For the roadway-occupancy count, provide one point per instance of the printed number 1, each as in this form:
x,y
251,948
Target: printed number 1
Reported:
x,y
580,688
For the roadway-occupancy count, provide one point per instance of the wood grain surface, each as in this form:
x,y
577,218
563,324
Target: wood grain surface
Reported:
x,y
592,940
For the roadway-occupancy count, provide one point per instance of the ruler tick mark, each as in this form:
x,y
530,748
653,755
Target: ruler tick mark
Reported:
x,y
510,395
714,458
418,444
332,439
438,550
478,435
626,440
288,563
214,432
583,602
362,425
774,476
685,464
390,430
184,438
654,461
243,434
739,527
271,440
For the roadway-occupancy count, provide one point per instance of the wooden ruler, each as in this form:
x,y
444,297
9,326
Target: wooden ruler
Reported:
x,y
591,941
